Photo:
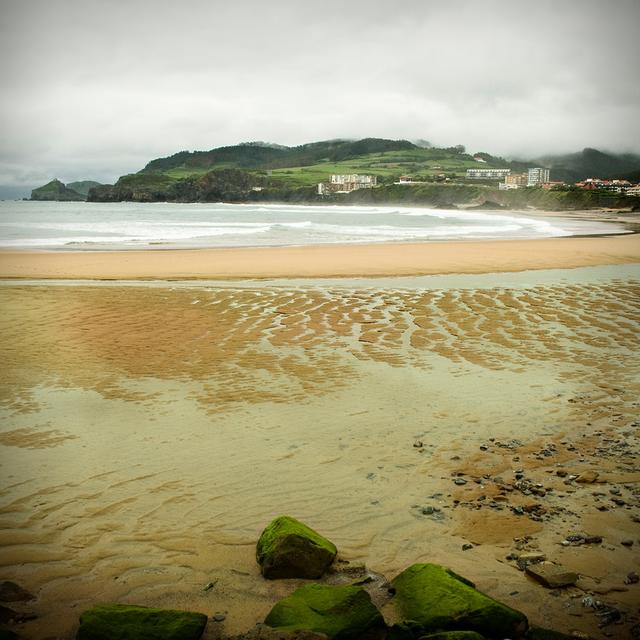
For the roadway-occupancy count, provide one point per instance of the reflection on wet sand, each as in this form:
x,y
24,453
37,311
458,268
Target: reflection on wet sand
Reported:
x,y
149,433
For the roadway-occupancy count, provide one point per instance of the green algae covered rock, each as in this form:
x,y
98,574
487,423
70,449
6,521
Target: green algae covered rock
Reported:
x,y
453,635
127,622
432,598
342,612
288,548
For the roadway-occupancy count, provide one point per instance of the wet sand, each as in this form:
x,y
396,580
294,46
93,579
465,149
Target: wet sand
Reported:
x,y
389,259
149,434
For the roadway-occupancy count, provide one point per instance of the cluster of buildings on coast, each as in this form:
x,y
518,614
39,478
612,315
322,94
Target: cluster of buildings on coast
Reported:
x,y
536,176
533,177
539,177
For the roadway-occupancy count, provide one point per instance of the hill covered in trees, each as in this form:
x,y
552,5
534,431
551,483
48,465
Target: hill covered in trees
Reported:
x,y
260,171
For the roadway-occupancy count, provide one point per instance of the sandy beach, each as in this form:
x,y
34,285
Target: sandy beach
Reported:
x,y
326,261
149,433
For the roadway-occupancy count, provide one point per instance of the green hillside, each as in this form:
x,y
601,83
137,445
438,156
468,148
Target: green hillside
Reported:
x,y
83,186
270,173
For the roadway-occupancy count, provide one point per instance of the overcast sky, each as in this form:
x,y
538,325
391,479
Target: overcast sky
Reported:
x,y
96,88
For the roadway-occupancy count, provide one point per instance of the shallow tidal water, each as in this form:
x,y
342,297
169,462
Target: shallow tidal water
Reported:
x,y
150,432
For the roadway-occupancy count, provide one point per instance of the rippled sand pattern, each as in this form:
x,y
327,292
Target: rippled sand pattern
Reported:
x,y
150,433
272,345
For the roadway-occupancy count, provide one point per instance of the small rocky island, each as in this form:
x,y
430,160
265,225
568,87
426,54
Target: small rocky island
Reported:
x,y
58,191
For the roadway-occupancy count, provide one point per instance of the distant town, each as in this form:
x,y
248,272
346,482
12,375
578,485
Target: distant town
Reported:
x,y
506,179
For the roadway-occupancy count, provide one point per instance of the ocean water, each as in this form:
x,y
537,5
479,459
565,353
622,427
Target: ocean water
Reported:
x,y
110,226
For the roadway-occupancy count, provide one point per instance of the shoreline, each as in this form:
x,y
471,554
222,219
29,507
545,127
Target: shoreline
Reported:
x,y
325,261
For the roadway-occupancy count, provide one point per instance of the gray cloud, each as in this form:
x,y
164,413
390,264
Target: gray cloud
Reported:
x,y
96,88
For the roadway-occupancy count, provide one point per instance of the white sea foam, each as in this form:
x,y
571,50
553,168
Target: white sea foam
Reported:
x,y
133,225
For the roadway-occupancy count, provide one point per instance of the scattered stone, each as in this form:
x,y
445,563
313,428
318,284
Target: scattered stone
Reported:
x,y
587,477
561,473
343,612
627,543
460,481
434,598
429,511
632,578
575,537
219,617
608,616
418,444
9,615
128,622
288,548
467,546
551,575
12,592
209,586
532,558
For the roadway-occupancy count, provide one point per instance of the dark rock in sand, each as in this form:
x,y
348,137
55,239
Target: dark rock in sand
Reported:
x,y
9,615
12,592
632,578
288,548
342,612
432,598
127,622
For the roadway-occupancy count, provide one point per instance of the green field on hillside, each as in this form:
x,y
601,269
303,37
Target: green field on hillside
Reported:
x,y
387,166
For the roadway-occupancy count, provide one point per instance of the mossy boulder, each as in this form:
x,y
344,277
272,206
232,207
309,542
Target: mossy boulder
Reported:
x,y
342,612
288,548
432,598
127,622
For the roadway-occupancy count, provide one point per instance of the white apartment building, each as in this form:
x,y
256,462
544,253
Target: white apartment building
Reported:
x,y
345,183
537,176
488,174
